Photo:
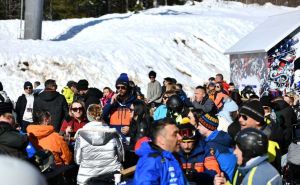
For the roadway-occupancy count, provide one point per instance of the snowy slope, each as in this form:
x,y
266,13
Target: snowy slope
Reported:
x,y
186,42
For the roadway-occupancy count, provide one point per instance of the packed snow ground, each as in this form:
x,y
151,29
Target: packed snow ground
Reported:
x,y
185,42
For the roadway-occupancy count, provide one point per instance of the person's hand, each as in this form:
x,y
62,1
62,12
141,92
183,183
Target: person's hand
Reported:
x,y
220,179
125,130
113,98
68,130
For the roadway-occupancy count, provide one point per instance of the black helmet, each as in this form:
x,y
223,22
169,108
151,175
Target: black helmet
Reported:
x,y
247,92
252,143
175,104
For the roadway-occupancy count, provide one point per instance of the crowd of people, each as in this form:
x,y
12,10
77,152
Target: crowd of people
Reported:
x,y
83,135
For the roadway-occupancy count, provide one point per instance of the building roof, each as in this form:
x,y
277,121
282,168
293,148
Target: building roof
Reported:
x,y
268,34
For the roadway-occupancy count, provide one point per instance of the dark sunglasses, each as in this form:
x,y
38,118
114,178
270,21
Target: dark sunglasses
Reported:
x,y
186,133
217,86
29,87
243,116
76,109
121,87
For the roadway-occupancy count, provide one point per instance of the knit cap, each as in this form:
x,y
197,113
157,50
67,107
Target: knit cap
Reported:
x,y
211,122
82,85
123,80
27,84
5,108
253,109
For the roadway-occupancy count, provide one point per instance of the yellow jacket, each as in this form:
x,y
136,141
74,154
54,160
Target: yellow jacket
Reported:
x,y
68,94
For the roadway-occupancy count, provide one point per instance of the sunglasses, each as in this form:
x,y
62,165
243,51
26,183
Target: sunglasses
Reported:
x,y
29,87
243,116
121,87
186,133
217,86
76,109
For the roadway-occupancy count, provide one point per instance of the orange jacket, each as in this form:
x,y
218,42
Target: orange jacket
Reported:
x,y
220,99
44,137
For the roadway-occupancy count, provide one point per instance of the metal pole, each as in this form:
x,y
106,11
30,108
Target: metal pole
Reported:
x,y
21,20
33,19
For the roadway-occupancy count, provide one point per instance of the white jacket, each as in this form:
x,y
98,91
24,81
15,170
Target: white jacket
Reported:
x,y
98,151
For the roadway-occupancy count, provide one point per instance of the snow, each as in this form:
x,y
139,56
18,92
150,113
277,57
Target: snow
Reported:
x,y
185,42
277,27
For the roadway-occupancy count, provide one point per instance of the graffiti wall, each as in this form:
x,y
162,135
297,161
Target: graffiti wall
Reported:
x,y
248,69
283,67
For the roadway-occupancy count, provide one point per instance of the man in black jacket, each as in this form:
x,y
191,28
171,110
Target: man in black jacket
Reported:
x,y
88,95
24,106
50,100
11,141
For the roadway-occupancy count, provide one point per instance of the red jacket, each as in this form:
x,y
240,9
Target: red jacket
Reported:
x,y
75,125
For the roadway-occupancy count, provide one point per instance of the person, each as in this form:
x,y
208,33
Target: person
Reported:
x,y
3,95
161,111
219,142
50,100
141,122
253,166
43,136
180,92
24,106
228,114
251,115
220,78
77,121
11,167
220,96
12,142
107,94
98,149
211,90
117,110
154,89
203,102
88,95
198,164
69,91
157,164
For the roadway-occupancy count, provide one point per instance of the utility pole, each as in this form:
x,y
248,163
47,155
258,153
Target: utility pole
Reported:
x,y
21,20
33,19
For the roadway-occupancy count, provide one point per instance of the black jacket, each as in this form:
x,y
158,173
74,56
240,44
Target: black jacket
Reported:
x,y
54,103
12,142
286,117
92,96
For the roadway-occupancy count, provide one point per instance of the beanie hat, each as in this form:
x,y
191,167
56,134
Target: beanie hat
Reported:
x,y
5,108
152,73
27,84
265,101
211,122
82,85
1,87
123,79
253,109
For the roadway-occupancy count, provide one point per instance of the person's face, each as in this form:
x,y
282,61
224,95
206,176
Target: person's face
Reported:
x,y
202,129
199,95
8,118
218,79
152,78
231,88
211,87
267,109
247,122
187,147
74,89
28,90
218,87
122,89
239,155
77,110
170,138
105,92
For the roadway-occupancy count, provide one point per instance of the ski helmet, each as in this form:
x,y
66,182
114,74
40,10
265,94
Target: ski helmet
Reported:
x,y
252,143
175,104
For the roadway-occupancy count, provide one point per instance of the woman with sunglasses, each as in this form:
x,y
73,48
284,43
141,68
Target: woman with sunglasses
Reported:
x,y
78,119
161,111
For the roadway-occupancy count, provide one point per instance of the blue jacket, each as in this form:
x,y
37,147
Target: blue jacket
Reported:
x,y
157,167
221,143
194,164
258,171
160,112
